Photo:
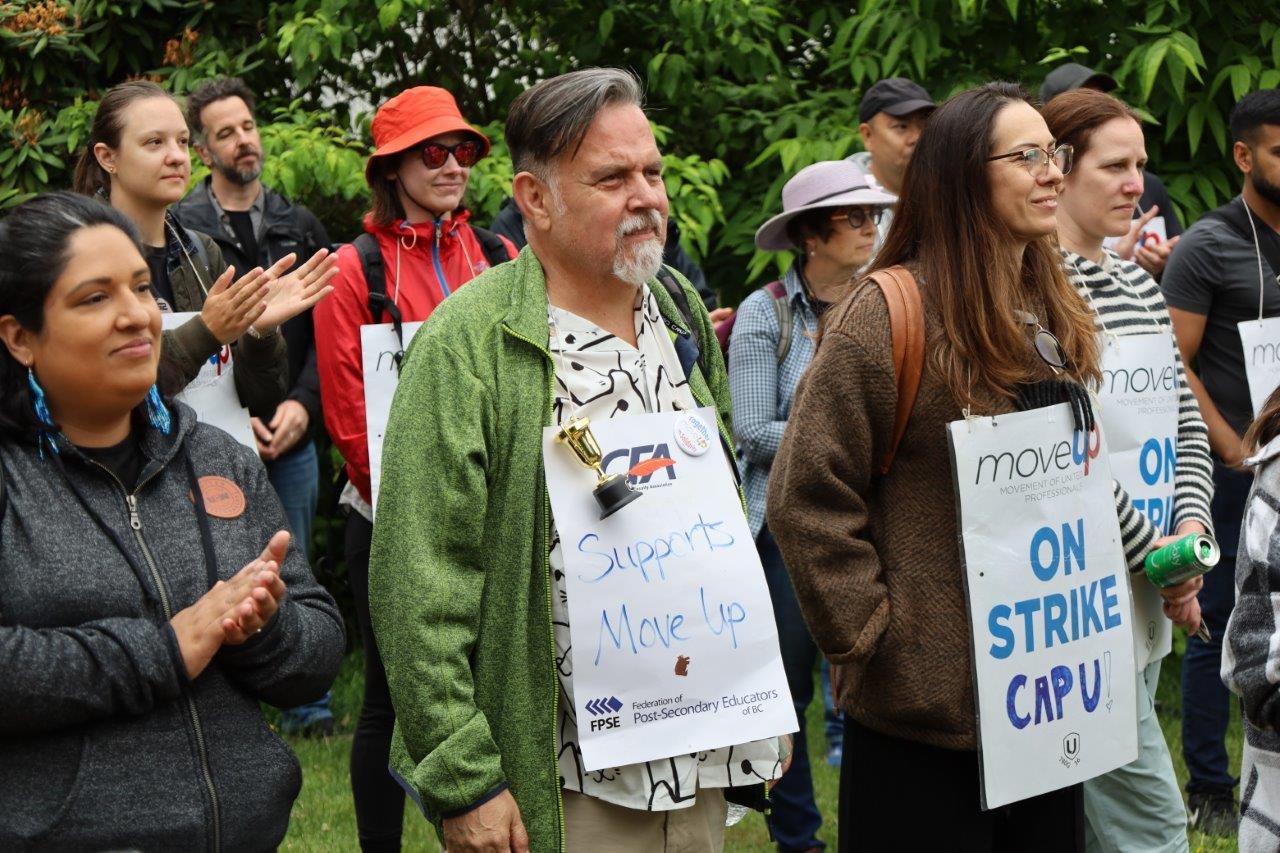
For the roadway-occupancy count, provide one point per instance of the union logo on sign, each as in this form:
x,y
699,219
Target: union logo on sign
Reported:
x,y
1071,745
610,705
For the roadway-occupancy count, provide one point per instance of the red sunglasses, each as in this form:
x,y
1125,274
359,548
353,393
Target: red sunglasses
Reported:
x,y
435,155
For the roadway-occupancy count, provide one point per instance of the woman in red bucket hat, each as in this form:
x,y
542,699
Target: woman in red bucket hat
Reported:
x,y
418,247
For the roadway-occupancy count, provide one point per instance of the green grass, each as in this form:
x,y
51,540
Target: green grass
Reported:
x,y
324,818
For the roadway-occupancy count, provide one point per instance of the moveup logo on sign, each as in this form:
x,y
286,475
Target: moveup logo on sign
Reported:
x,y
1040,460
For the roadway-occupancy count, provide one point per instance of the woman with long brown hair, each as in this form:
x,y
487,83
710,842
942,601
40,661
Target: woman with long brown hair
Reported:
x,y
874,558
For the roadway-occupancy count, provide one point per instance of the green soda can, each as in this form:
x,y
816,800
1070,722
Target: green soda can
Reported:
x,y
1189,557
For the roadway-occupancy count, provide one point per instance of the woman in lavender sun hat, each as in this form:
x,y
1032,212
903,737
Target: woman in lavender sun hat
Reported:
x,y
828,220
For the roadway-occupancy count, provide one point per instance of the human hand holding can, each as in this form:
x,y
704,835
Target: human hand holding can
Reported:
x,y
1182,560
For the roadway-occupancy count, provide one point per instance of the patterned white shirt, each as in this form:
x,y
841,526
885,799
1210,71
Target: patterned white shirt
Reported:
x,y
601,376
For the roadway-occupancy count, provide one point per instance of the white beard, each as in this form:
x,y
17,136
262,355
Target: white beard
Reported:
x,y
645,259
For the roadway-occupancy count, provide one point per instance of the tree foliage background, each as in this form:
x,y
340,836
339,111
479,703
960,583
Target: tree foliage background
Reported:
x,y
744,92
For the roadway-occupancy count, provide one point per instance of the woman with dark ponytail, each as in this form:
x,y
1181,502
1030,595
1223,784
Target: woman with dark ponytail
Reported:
x,y
137,160
144,567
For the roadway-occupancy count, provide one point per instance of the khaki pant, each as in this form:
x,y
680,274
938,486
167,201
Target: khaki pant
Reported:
x,y
592,825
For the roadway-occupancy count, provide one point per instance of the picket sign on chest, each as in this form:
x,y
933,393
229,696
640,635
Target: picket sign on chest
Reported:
x,y
1049,603
378,348
675,647
212,394
1138,406
1261,342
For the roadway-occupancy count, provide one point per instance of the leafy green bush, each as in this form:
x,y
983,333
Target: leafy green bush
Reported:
x,y
744,92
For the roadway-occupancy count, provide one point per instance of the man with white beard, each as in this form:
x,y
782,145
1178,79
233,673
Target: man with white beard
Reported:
x,y
467,582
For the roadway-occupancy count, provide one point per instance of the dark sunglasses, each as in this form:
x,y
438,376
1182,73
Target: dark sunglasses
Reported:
x,y
435,155
1047,345
858,216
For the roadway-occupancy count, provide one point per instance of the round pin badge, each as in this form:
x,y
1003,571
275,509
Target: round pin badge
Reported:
x,y
692,434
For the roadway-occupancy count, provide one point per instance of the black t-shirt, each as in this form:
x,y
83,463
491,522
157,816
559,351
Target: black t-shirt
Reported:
x,y
125,459
242,225
1213,272
157,260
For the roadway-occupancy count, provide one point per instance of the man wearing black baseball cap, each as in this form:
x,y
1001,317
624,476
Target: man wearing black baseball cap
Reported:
x,y
1139,246
892,114
1073,75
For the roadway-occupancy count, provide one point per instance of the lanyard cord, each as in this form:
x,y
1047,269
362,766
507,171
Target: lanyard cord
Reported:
x,y
1257,250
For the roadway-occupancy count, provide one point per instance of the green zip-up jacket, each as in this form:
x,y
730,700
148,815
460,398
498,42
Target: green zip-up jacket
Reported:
x,y
459,584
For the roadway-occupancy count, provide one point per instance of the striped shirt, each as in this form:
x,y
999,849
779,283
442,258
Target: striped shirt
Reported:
x,y
1127,301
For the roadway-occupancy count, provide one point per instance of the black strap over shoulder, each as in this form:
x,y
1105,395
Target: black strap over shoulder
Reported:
x,y
673,288
495,251
375,279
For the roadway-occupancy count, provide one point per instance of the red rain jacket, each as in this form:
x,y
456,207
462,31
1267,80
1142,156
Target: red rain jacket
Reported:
x,y
424,264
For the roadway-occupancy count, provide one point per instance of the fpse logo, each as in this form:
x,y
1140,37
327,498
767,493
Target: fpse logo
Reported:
x,y
643,462
605,712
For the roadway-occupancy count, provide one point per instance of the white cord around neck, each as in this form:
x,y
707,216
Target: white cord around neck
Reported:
x,y
1257,250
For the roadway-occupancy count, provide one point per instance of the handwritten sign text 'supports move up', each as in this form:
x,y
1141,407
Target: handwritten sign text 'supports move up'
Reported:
x,y
675,648
378,348
212,394
1049,603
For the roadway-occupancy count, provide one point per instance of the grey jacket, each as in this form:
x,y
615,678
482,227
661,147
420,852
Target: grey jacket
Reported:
x,y
261,366
105,744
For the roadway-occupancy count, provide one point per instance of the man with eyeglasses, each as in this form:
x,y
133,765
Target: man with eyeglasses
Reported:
x,y
254,226
891,117
1156,227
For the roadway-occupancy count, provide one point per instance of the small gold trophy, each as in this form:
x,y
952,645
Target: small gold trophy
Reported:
x,y
612,491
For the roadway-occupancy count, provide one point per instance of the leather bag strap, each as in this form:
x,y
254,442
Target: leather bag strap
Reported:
x,y
906,321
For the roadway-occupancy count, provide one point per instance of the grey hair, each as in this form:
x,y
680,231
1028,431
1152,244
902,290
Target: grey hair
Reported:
x,y
553,116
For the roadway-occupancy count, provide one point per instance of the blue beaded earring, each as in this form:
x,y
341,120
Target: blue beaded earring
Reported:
x,y
42,414
158,412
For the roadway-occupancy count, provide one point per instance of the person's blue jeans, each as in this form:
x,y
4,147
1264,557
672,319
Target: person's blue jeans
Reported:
x,y
795,818
1206,704
832,717
296,479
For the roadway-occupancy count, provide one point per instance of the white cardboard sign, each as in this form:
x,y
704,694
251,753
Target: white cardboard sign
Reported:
x,y
1048,602
212,394
378,348
675,648
1261,342
1138,404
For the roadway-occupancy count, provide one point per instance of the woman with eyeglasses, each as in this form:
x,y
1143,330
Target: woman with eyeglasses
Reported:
x,y
137,159
1138,806
418,247
874,557
828,220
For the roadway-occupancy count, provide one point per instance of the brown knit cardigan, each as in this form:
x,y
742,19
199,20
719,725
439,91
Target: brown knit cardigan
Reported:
x,y
875,560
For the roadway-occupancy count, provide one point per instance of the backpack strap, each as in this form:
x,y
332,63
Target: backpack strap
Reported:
x,y
781,310
673,288
375,279
202,251
906,322
495,251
